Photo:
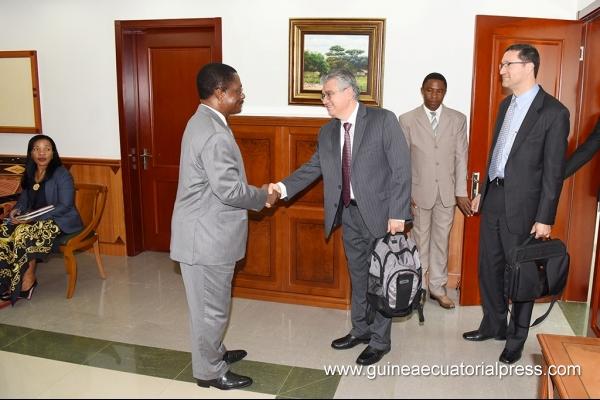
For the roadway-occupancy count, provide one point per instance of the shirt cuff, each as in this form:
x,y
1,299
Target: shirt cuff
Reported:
x,y
282,189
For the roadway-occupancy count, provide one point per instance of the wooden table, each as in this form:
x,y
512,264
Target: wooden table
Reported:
x,y
561,350
11,169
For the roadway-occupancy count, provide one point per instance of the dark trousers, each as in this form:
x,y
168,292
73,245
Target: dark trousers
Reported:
x,y
358,243
495,243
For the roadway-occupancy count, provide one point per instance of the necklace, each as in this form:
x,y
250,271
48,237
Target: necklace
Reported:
x,y
36,186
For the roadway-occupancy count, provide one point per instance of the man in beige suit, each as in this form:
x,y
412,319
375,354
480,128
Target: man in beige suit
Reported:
x,y
437,138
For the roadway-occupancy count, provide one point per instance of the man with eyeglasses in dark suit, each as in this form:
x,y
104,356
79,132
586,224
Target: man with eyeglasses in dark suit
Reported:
x,y
520,195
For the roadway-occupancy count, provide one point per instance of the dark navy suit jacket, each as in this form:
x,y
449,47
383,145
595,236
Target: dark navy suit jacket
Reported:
x,y
60,192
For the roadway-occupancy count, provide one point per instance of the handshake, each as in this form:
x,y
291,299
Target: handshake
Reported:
x,y
273,193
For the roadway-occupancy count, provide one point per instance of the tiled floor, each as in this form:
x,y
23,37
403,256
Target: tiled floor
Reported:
x,y
128,336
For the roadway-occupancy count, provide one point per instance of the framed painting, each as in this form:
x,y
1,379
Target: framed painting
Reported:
x,y
318,46
19,93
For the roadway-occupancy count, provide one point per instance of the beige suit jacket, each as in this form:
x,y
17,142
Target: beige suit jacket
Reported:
x,y
439,163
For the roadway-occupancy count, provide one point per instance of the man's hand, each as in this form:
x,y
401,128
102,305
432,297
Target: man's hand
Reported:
x,y
542,231
272,194
475,203
395,226
464,204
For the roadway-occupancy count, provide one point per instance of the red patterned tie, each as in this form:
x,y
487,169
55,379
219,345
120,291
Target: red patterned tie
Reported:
x,y
346,160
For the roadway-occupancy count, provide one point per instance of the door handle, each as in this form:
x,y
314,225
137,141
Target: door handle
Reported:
x,y
474,184
145,156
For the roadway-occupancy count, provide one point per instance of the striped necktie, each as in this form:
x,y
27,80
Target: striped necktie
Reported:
x,y
493,172
346,163
434,122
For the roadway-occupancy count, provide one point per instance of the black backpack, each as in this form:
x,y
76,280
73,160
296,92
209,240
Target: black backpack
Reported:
x,y
395,278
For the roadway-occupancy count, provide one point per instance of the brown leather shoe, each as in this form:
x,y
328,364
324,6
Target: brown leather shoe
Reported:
x,y
444,301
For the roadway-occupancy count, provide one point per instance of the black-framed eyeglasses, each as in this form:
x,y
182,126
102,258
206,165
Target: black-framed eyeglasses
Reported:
x,y
509,63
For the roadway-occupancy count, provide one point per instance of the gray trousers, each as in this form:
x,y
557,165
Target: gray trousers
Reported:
x,y
208,292
358,243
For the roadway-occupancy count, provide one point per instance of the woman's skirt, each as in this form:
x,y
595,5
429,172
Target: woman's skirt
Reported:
x,y
18,245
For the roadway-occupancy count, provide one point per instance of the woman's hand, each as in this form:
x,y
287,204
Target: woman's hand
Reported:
x,y
13,216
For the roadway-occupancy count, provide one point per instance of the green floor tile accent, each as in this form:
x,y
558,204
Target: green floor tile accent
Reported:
x,y
308,383
10,334
284,381
268,378
141,360
56,346
575,313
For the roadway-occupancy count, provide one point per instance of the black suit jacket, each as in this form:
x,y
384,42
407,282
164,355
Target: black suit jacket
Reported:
x,y
534,171
584,152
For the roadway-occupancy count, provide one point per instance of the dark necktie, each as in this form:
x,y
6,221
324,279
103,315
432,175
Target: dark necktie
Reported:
x,y
346,162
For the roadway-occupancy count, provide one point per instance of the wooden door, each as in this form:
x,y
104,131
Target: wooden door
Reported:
x,y
559,43
587,179
158,67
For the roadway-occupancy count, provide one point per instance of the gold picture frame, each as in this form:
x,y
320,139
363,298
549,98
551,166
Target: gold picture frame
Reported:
x,y
19,92
318,45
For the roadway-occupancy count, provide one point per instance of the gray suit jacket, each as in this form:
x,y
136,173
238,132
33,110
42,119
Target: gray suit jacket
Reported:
x,y
210,217
439,162
380,170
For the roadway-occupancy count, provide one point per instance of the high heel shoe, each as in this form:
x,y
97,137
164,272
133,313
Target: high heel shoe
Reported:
x,y
27,294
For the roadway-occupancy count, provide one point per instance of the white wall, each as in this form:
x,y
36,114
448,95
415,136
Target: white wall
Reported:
x,y
76,53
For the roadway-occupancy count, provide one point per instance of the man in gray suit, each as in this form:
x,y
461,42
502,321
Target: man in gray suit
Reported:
x,y
437,139
210,222
364,161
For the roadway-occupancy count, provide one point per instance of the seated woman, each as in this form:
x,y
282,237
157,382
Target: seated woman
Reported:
x,y
22,242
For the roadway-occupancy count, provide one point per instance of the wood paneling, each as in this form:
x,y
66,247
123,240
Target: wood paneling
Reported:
x,y
288,258
105,172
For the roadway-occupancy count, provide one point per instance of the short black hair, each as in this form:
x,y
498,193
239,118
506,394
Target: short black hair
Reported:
x,y
213,76
527,53
437,76
28,178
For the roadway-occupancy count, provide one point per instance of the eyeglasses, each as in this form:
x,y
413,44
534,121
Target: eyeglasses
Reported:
x,y
509,63
327,95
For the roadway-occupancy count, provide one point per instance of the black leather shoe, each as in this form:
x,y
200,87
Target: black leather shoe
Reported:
x,y
370,355
348,342
476,336
510,357
232,356
228,381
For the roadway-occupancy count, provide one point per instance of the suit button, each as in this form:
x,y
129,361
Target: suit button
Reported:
x,y
437,163
335,205
339,186
436,180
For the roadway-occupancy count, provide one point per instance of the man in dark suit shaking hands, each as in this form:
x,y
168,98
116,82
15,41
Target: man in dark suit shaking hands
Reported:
x,y
520,195
364,160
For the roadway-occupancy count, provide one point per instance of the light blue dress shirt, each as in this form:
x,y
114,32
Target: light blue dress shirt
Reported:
x,y
522,104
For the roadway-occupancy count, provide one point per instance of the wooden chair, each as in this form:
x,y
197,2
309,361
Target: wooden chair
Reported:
x,y
90,201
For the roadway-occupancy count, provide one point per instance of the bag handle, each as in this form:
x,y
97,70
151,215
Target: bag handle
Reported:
x,y
386,238
539,319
